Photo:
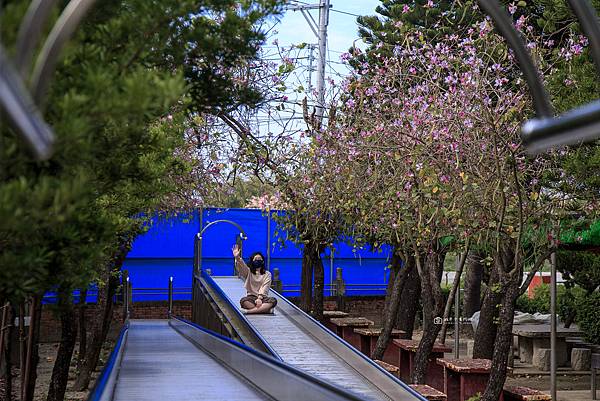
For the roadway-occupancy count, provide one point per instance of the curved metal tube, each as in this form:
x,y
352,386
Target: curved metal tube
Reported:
x,y
198,242
571,128
21,111
30,32
233,223
60,34
502,22
589,24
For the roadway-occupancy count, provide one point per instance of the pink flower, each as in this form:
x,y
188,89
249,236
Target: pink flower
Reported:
x,y
405,9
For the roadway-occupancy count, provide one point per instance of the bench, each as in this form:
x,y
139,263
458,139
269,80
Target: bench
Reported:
x,y
406,357
428,392
329,314
533,337
393,370
518,393
344,328
464,378
368,340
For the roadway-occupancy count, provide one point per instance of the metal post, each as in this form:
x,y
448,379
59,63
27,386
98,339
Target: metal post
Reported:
x,y
331,250
198,255
340,289
553,326
268,238
277,284
457,311
127,297
170,296
323,22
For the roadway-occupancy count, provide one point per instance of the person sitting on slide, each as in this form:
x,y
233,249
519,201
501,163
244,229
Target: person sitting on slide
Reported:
x,y
257,284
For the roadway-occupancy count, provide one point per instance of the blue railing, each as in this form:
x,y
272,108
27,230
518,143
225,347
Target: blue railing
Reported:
x,y
105,384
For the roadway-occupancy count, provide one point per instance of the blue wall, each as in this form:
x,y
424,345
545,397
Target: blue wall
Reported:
x,y
166,250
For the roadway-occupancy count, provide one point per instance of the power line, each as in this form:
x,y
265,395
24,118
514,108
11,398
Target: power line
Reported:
x,y
345,12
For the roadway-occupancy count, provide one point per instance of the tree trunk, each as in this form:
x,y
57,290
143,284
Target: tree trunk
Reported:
x,y
82,328
450,300
7,353
473,277
103,318
503,344
306,283
60,372
485,335
4,320
504,339
409,301
33,356
100,327
389,290
319,273
400,274
433,306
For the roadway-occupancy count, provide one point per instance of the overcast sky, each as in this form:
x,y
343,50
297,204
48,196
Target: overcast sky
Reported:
x,y
293,29
342,30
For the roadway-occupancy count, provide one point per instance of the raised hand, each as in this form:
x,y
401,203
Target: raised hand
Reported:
x,y
235,251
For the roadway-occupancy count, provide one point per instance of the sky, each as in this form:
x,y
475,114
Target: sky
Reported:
x,y
342,33
342,29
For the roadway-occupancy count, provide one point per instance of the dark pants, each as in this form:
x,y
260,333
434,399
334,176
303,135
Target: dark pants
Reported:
x,y
253,298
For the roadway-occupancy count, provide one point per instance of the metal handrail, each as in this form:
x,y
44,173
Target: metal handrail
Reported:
x,y
365,358
290,383
239,314
105,384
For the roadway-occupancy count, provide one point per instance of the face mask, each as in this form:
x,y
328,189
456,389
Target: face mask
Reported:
x,y
259,264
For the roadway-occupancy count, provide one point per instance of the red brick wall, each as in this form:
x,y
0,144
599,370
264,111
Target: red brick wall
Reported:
x,y
369,307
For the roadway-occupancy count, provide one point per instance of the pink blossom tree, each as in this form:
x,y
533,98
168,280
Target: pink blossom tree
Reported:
x,y
425,155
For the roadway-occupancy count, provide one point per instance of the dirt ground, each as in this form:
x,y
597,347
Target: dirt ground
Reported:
x,y
47,356
563,383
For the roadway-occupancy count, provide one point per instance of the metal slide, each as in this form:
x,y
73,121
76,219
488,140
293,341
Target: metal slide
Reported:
x,y
302,342
177,360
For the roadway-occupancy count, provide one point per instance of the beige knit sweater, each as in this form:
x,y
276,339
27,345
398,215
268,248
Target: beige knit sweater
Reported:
x,y
255,284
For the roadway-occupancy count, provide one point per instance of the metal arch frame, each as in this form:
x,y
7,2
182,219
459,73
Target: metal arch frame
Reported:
x,y
30,32
545,131
21,111
62,31
503,23
15,100
198,242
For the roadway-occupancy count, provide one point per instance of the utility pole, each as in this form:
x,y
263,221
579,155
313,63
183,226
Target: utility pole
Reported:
x,y
320,31
311,58
323,22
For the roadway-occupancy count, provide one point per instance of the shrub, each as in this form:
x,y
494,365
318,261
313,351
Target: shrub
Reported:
x,y
587,316
566,301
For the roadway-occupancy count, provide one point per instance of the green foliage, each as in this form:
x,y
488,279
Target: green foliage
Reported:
x,y
580,232
117,104
587,317
567,300
580,267
540,303
476,397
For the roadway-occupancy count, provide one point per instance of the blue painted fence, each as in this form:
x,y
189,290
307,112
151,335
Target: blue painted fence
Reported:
x,y
166,249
